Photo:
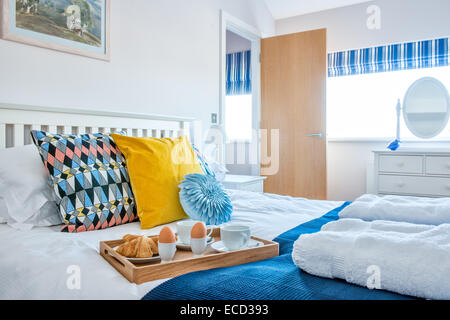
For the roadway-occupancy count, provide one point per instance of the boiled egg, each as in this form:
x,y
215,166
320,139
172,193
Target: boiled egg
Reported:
x,y
198,231
166,235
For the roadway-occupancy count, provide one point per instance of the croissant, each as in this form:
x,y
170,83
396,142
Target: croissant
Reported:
x,y
139,247
129,237
154,244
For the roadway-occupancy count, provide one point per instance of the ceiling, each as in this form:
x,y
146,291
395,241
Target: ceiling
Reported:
x,y
289,8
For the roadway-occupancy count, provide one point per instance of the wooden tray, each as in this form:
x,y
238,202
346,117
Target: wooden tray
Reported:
x,y
184,262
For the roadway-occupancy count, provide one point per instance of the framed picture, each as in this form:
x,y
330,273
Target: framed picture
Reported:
x,y
74,26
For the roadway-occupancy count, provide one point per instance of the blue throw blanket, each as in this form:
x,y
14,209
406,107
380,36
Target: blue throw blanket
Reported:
x,y
273,279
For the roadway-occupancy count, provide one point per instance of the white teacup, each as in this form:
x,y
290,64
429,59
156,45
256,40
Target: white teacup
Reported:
x,y
235,237
184,231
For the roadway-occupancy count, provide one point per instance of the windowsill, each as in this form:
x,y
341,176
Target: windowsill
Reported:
x,y
387,140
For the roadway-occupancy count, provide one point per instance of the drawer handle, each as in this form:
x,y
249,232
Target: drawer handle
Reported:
x,y
448,165
401,164
402,184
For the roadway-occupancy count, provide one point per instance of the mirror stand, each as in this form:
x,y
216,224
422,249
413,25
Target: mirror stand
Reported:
x,y
394,145
426,110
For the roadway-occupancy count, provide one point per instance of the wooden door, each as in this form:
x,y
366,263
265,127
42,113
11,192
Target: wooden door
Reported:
x,y
293,100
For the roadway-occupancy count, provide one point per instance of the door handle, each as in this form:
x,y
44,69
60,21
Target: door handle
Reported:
x,y
319,135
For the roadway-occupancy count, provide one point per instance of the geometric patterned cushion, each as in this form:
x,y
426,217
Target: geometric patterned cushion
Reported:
x,y
90,181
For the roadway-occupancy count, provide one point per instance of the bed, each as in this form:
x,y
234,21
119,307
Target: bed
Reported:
x,y
35,263
38,263
41,263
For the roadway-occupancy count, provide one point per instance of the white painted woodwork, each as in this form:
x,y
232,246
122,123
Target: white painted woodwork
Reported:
x,y
241,182
414,172
19,135
2,135
437,165
401,164
67,130
16,121
51,128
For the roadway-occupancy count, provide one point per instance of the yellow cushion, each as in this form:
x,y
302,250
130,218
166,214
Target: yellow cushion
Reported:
x,y
156,168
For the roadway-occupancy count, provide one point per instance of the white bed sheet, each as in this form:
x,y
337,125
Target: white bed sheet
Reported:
x,y
34,264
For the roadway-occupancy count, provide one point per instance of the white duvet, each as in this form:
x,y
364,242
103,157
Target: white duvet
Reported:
x,y
37,264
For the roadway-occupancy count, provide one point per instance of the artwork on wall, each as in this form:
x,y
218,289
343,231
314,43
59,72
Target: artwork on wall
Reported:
x,y
74,26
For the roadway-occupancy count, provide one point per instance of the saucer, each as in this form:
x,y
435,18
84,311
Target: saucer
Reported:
x,y
183,246
145,260
220,247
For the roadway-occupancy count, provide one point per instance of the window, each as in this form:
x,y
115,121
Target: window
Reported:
x,y
238,101
238,117
363,106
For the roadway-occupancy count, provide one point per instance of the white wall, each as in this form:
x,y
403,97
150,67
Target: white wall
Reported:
x,y
236,43
164,59
401,20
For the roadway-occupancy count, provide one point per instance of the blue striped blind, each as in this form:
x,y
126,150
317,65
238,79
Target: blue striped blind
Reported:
x,y
238,71
404,56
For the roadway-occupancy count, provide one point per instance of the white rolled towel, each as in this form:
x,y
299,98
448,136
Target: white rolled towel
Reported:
x,y
405,258
369,207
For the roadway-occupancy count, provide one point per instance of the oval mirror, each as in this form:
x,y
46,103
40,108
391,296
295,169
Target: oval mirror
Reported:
x,y
426,108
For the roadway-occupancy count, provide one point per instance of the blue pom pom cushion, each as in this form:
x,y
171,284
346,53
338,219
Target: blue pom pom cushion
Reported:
x,y
203,198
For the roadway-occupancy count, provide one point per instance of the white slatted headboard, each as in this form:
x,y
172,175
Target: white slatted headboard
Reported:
x,y
16,122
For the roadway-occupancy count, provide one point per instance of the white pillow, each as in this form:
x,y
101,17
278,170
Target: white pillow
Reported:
x,y
25,189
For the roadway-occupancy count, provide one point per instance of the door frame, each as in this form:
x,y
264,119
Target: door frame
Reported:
x,y
233,24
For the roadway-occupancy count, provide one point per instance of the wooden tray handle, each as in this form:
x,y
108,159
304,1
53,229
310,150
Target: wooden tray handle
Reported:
x,y
111,258
110,255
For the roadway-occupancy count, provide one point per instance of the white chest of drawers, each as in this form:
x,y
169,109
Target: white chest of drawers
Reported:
x,y
415,172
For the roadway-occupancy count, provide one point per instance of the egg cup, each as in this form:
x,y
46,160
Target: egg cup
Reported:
x,y
198,246
167,251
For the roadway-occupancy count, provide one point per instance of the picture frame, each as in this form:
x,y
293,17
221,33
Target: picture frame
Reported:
x,y
80,27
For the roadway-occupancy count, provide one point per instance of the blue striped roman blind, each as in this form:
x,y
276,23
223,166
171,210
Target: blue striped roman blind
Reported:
x,y
404,56
238,71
